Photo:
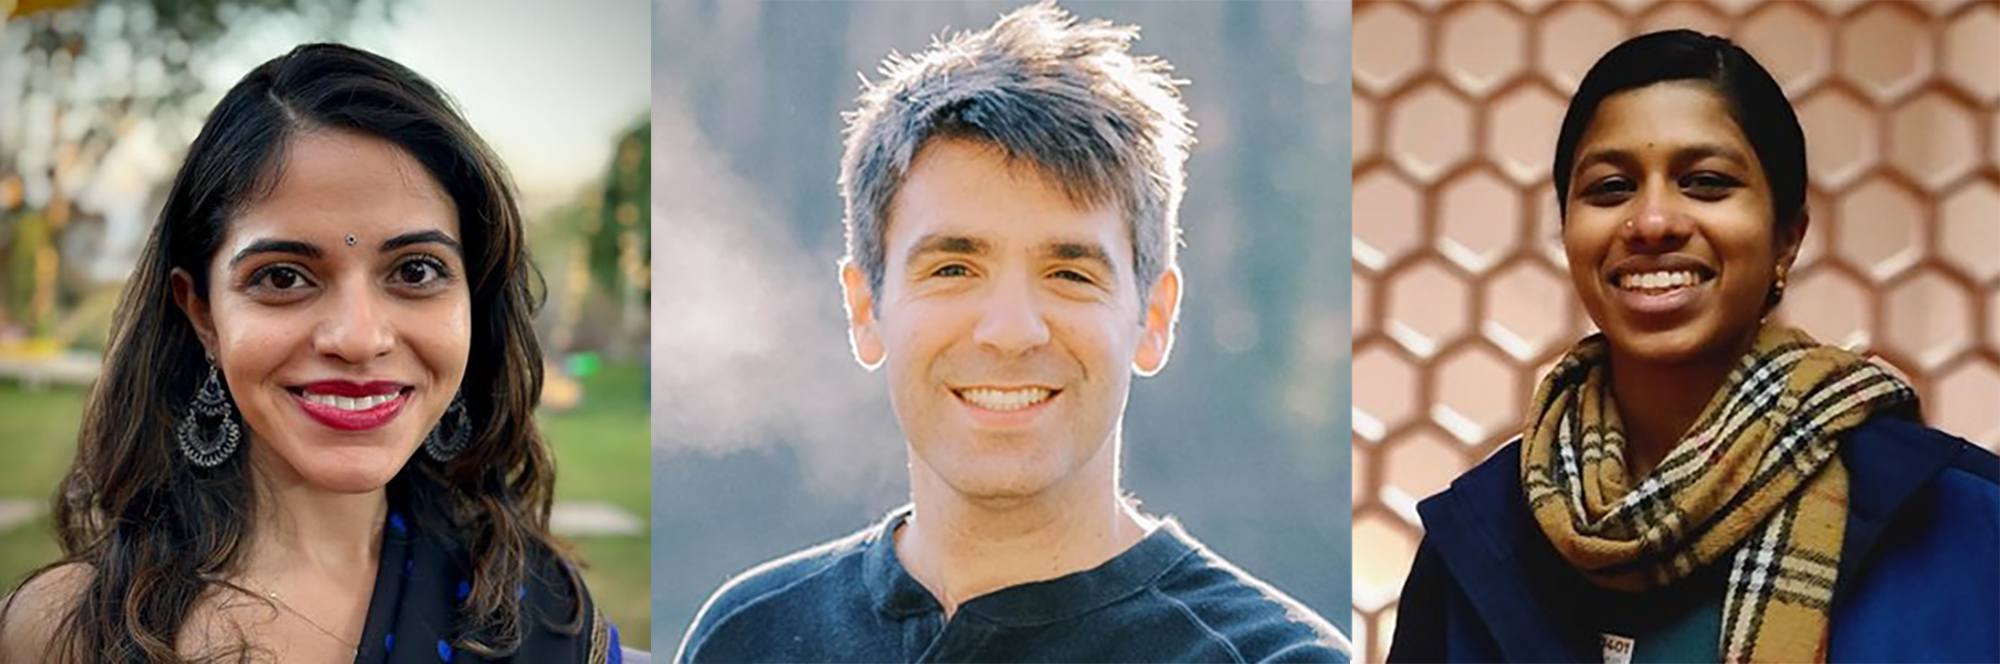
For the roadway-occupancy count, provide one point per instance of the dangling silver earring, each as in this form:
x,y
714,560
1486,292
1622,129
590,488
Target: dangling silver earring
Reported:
x,y
208,432
452,433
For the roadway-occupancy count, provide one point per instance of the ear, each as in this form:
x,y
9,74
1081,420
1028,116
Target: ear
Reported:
x,y
1163,309
1792,238
860,301
196,308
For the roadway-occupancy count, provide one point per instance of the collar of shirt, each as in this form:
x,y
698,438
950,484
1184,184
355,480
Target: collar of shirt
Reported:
x,y
898,595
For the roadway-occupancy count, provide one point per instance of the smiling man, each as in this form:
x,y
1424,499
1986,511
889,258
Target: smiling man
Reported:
x,y
1011,199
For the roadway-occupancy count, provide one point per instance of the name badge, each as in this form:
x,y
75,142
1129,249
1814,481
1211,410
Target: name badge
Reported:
x,y
1617,649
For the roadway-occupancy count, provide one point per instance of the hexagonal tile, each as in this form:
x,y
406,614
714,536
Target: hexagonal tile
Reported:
x,y
1993,320
1972,53
1828,304
1840,128
1430,131
1549,229
1792,41
1527,309
1383,551
1427,308
1362,128
1670,15
1386,394
1929,319
1479,220
1386,219
1388,46
1880,229
1573,37
1969,231
1482,46
1522,132
1478,397
1933,140
1419,465
1361,307
1885,49
1961,402
1358,479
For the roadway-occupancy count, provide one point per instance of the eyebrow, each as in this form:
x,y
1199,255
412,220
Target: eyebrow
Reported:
x,y
294,247
947,244
423,237
1083,251
1687,154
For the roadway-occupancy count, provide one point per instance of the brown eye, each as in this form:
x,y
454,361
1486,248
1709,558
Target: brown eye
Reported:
x,y
277,278
419,272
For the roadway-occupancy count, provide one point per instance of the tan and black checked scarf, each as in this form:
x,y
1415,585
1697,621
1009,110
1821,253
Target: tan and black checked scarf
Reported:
x,y
1757,475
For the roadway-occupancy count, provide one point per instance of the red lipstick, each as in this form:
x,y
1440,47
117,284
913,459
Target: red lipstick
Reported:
x,y
351,406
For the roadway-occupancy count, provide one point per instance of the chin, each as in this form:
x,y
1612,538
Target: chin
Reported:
x,y
1681,345
362,472
994,476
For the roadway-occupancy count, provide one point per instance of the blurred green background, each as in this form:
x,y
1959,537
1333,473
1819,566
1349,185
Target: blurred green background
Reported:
x,y
769,438
99,99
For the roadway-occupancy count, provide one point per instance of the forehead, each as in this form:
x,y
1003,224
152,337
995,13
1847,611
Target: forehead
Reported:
x,y
964,188
1663,117
331,183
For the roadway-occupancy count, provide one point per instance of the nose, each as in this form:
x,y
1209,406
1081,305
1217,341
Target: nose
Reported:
x,y
1011,321
356,327
1658,223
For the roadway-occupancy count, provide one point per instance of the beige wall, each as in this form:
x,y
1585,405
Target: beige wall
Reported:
x,y
1460,294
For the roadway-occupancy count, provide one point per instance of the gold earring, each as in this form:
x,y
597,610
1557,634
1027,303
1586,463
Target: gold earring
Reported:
x,y
1778,288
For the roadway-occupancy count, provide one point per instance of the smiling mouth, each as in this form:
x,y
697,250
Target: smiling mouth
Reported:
x,y
1660,282
1004,400
350,404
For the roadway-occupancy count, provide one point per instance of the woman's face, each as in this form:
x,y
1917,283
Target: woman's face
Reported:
x,y
1669,232
338,311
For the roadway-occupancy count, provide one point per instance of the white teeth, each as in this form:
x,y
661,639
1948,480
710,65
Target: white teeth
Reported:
x,y
352,403
1003,400
1658,280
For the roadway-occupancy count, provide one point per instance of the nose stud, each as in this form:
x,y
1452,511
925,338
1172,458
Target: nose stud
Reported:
x,y
351,240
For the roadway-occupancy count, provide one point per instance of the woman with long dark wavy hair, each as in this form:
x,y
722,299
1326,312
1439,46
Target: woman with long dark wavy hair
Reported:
x,y
314,439
1696,481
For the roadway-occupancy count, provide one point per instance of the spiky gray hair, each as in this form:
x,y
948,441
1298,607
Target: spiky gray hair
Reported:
x,y
1067,97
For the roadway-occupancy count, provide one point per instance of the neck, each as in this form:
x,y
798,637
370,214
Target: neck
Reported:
x,y
1658,402
961,547
300,530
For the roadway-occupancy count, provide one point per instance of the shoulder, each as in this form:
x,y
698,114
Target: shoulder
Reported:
x,y
746,600
29,616
1259,622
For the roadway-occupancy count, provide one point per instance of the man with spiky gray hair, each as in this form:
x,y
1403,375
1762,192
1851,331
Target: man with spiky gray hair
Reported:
x,y
1011,198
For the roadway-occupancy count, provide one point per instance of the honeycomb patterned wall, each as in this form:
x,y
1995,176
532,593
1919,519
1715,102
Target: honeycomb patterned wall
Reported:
x,y
1461,296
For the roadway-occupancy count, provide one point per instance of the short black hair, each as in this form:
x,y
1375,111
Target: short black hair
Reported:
x,y
1755,101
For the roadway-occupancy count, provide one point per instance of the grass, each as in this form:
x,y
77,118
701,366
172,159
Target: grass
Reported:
x,y
601,454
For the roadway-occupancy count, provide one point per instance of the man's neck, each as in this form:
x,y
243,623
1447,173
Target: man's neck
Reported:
x,y
962,547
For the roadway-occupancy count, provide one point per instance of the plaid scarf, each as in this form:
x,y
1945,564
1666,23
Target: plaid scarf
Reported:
x,y
1757,474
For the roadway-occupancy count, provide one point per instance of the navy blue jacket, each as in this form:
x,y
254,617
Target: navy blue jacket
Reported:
x,y
1919,566
1166,599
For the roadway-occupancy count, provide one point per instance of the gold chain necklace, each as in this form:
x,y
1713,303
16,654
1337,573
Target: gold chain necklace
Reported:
x,y
273,596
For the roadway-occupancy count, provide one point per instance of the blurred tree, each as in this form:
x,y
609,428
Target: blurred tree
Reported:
x,y
81,80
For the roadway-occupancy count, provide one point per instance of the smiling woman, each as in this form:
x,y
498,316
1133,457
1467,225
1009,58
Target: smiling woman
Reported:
x,y
338,279
1696,482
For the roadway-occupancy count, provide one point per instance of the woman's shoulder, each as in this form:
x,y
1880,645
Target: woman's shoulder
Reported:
x,y
30,614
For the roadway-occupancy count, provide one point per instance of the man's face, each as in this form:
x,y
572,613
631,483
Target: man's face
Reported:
x,y
1010,323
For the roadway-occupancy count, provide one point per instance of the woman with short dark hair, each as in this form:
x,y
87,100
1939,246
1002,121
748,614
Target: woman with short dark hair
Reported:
x,y
1696,482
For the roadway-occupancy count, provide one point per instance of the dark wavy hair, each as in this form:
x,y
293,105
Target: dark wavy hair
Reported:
x,y
157,532
1755,101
